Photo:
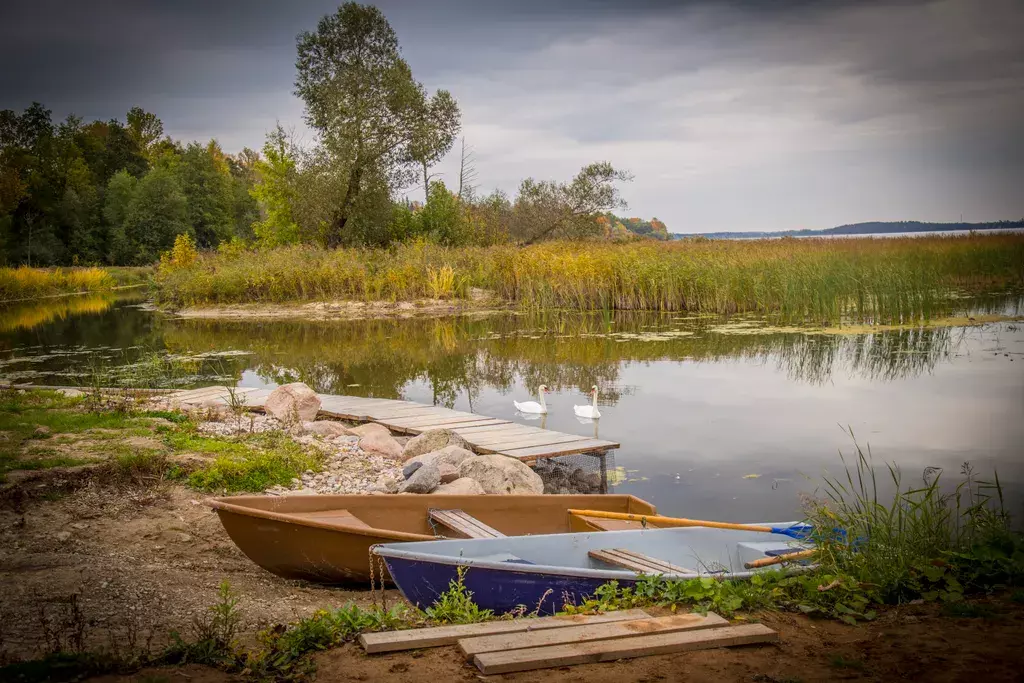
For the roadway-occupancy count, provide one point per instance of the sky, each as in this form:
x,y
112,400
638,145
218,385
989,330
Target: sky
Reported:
x,y
742,115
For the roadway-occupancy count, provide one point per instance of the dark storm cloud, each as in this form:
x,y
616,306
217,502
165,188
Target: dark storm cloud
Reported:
x,y
726,112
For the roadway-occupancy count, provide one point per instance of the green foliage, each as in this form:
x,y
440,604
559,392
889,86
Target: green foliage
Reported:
x,y
283,651
546,210
213,634
923,543
104,192
251,463
276,190
456,606
158,212
374,120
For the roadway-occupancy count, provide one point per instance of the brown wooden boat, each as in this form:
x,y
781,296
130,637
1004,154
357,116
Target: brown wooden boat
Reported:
x,y
327,539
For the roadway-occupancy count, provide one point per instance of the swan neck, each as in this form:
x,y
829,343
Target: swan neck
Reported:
x,y
543,404
595,400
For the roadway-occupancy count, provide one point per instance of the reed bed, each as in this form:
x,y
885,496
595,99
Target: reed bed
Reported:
x,y
809,279
28,283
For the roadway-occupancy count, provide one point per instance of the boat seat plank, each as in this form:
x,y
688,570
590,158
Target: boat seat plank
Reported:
x,y
465,524
602,524
637,562
624,648
587,633
412,639
339,518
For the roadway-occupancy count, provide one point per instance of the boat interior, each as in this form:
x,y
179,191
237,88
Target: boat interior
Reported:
x,y
440,515
689,550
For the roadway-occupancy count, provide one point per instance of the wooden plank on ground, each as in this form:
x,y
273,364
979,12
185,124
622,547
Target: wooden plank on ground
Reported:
x,y
411,639
625,648
592,632
437,424
588,446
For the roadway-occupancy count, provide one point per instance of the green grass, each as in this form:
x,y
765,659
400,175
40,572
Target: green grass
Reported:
x,y
840,661
248,463
814,279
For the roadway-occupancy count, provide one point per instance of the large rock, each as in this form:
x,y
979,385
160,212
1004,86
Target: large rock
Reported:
x,y
370,428
449,473
501,474
423,480
432,440
383,444
293,403
451,455
326,428
463,486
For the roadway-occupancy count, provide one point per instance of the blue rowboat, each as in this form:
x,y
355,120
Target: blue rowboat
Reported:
x,y
547,571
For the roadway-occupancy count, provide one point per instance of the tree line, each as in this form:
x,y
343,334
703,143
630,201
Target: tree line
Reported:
x,y
118,193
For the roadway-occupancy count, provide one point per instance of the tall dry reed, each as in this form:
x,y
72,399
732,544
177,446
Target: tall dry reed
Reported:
x,y
808,279
27,283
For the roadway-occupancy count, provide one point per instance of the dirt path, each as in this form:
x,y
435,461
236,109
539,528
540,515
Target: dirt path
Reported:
x,y
139,563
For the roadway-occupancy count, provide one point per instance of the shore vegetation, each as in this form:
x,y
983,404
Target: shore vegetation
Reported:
x,y
815,280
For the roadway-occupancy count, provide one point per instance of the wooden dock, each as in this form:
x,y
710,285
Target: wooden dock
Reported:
x,y
485,434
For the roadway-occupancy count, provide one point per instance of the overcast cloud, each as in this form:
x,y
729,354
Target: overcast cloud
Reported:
x,y
731,115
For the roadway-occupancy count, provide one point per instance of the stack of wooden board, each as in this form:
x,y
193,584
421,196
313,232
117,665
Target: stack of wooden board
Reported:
x,y
498,647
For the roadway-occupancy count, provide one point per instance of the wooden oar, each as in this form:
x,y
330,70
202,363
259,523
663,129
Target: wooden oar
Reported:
x,y
796,531
779,559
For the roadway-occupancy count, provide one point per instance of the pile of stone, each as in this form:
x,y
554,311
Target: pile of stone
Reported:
x,y
369,459
564,479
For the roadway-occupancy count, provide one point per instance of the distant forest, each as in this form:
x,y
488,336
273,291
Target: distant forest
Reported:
x,y
869,228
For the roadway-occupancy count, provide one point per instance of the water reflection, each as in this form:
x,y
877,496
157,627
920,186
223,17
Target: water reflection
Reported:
x,y
460,356
700,405
25,316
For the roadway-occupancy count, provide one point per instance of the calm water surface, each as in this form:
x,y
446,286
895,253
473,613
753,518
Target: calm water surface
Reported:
x,y
722,419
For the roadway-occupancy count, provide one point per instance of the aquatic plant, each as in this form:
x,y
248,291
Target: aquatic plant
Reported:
x,y
819,280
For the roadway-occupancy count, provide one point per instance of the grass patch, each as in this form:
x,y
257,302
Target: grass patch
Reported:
x,y
249,463
969,610
26,283
840,661
820,280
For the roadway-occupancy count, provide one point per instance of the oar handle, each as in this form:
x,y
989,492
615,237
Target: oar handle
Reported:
x,y
669,521
779,559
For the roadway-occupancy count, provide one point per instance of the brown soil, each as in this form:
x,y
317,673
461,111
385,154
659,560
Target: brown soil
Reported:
x,y
141,561
146,562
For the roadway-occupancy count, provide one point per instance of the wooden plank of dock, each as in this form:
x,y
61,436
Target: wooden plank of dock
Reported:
x,y
485,434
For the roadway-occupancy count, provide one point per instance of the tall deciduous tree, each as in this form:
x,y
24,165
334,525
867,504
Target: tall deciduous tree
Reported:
x,y
157,213
361,97
434,134
145,129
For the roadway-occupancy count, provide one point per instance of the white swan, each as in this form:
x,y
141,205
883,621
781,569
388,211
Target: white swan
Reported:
x,y
590,411
533,406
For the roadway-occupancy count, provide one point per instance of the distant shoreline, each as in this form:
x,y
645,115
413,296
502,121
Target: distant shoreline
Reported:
x,y
862,230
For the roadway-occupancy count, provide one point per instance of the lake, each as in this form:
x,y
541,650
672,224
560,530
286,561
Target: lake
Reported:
x,y
718,418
